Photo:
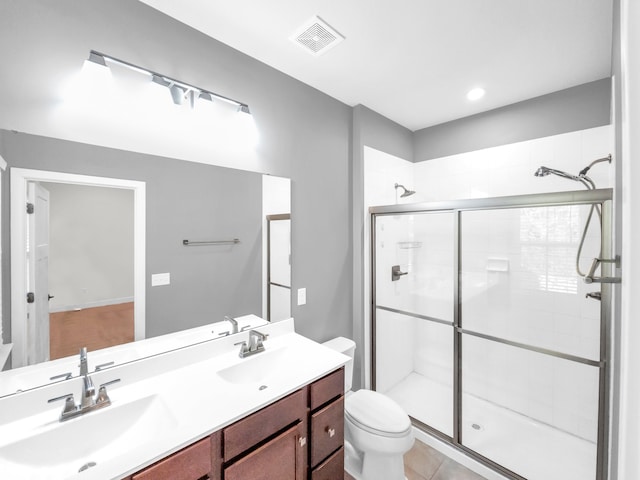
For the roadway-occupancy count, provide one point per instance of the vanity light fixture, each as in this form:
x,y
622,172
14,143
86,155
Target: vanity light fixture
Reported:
x,y
475,94
181,92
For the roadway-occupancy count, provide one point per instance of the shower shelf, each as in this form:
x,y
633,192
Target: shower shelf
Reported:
x,y
410,244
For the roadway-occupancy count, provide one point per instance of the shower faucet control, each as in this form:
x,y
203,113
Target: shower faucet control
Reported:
x,y
396,273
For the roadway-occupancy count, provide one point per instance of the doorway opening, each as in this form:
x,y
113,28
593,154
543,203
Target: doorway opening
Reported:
x,y
30,294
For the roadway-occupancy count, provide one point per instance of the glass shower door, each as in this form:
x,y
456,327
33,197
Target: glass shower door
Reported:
x,y
414,278
530,341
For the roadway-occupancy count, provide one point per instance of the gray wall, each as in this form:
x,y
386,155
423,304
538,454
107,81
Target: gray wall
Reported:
x,y
577,108
373,130
184,200
304,134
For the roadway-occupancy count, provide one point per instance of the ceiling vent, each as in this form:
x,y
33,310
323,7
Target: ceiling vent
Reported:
x,y
316,36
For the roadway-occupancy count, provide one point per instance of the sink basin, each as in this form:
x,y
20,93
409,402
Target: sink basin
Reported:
x,y
257,368
61,449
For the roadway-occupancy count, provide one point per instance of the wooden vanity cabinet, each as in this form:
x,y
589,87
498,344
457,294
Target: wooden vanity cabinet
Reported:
x,y
326,427
299,437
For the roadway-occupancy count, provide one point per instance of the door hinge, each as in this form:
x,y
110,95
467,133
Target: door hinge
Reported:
x,y
30,208
31,297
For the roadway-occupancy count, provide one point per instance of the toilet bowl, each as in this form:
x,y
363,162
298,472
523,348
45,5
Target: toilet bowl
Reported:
x,y
377,430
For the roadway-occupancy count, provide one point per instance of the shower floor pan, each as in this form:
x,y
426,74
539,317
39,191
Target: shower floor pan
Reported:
x,y
532,449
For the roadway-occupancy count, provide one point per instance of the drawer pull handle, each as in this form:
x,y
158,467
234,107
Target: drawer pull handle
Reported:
x,y
330,431
303,441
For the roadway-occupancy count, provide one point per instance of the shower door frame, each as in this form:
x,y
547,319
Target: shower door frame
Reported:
x,y
602,197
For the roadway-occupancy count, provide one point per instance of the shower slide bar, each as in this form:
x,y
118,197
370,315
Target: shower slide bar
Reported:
x,y
188,243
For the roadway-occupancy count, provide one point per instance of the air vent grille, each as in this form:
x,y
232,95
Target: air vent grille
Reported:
x,y
316,36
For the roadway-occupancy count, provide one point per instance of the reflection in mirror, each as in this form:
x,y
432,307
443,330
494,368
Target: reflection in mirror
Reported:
x,y
180,287
79,255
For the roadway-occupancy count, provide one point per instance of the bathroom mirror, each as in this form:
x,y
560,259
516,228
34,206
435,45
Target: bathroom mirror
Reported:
x,y
179,286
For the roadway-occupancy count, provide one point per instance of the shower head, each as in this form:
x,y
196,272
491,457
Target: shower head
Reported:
x,y
406,193
544,171
583,179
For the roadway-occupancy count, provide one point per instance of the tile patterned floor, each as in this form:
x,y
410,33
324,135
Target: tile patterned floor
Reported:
x,y
424,463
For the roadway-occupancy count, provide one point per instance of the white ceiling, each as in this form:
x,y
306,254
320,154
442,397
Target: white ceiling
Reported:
x,y
413,61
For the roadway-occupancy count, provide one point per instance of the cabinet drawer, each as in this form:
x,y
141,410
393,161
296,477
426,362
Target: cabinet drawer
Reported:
x,y
282,458
246,433
327,431
327,388
191,463
331,469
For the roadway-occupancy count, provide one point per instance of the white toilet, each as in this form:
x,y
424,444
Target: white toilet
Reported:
x,y
377,431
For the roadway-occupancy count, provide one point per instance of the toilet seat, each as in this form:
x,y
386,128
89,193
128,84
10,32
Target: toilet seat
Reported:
x,y
377,414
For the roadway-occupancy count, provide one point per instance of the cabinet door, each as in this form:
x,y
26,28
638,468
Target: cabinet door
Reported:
x,y
283,458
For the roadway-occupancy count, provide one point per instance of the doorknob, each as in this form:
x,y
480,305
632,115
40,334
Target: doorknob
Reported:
x,y
50,296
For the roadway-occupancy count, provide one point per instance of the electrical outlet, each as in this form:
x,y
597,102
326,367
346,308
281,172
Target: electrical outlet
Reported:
x,y
302,296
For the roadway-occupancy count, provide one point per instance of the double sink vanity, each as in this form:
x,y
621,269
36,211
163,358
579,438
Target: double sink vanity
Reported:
x,y
265,403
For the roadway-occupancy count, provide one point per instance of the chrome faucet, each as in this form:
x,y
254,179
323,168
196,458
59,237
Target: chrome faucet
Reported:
x,y
233,322
255,344
88,389
89,401
255,341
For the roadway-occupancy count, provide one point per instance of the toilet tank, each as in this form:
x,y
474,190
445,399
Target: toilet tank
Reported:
x,y
348,348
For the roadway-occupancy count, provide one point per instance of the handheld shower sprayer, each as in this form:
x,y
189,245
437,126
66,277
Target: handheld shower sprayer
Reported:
x,y
590,185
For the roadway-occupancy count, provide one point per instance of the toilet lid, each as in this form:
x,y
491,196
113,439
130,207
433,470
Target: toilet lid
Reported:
x,y
376,413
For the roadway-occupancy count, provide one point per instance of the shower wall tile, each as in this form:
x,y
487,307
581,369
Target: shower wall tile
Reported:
x,y
508,169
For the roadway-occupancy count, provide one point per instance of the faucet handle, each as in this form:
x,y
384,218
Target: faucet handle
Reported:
x,y
69,402
244,349
65,376
103,365
103,396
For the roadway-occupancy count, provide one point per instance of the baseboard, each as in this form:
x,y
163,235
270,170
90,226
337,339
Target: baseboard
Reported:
x,y
99,303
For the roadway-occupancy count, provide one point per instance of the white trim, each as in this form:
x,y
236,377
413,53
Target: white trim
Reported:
x,y
19,179
3,163
98,303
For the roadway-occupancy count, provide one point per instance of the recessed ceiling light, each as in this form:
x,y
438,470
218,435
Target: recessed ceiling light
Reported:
x,y
476,94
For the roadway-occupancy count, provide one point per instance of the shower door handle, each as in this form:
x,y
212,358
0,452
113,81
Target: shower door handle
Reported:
x,y
396,273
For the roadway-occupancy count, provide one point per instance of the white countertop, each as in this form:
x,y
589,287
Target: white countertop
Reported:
x,y
189,399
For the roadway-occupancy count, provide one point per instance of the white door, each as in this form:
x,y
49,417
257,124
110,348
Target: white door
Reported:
x,y
38,275
279,267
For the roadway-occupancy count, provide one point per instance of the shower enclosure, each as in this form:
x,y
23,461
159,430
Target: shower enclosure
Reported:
x,y
485,334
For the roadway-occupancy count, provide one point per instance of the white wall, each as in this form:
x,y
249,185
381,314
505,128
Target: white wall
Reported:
x,y
91,246
629,428
509,169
